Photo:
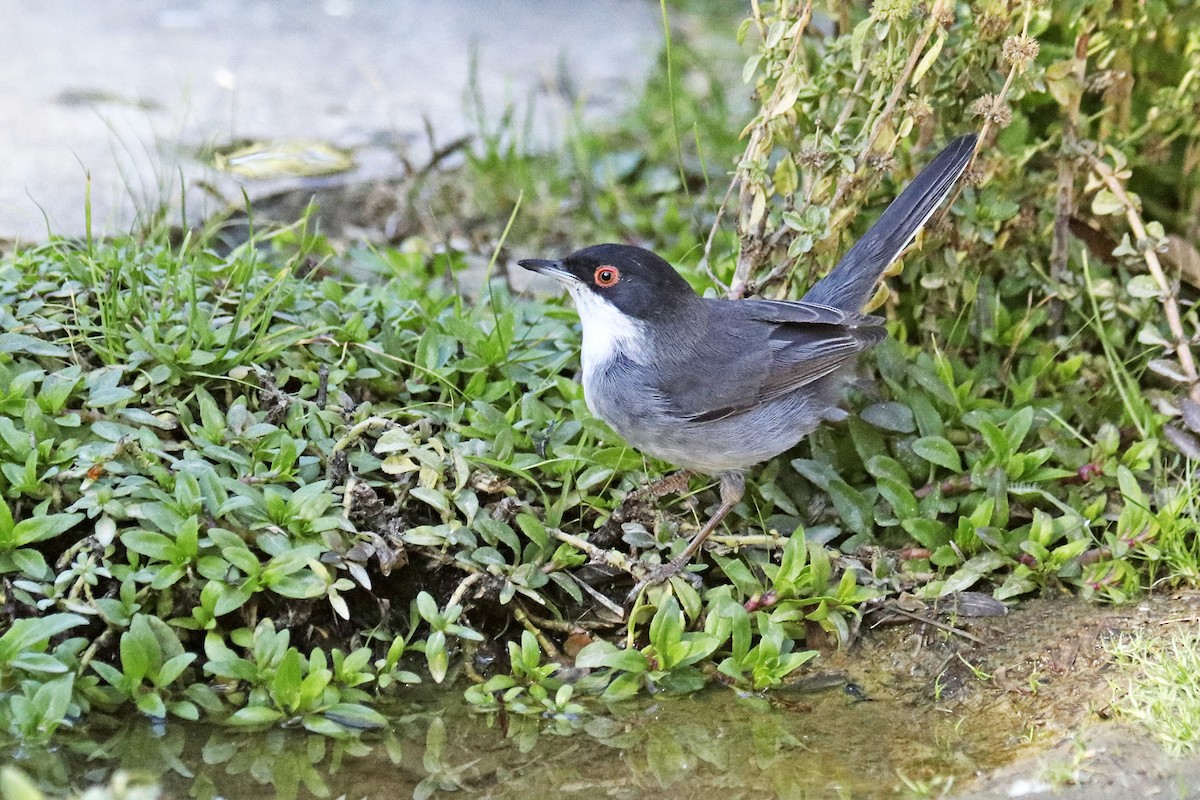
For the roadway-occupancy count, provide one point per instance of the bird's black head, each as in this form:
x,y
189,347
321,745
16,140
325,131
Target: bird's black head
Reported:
x,y
633,280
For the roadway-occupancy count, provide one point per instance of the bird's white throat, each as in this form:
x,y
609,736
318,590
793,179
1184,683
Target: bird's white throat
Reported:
x,y
606,332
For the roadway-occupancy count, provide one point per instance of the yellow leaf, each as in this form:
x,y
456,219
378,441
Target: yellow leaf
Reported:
x,y
927,60
757,208
1062,83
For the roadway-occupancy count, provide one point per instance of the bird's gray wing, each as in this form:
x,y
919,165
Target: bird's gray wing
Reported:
x,y
804,351
765,350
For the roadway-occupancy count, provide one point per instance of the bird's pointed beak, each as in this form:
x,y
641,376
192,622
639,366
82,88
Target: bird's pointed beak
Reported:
x,y
549,267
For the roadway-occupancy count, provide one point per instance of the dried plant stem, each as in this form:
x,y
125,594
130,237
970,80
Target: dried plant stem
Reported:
x,y
751,250
1002,97
881,121
889,108
1012,75
598,555
834,133
1064,205
460,591
712,234
1168,295
566,627
766,540
548,647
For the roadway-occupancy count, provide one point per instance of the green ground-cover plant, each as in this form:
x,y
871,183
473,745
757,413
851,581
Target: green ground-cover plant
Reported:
x,y
236,485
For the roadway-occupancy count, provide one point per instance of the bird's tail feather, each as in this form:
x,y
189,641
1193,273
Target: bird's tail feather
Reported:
x,y
852,282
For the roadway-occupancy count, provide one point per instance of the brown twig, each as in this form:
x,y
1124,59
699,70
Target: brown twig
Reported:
x,y
1168,294
548,647
881,122
712,235
901,87
1064,206
596,554
460,591
752,242
895,609
987,123
768,540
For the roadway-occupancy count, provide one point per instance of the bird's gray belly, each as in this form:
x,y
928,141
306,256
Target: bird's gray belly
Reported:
x,y
634,411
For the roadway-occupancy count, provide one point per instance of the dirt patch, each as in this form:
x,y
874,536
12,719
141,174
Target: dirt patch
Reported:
x,y
1045,670
1109,761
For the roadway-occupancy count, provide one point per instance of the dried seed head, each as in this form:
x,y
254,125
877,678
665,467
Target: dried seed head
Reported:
x,y
811,158
1020,51
919,109
993,109
881,162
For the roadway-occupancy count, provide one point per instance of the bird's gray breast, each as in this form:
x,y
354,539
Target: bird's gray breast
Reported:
x,y
697,401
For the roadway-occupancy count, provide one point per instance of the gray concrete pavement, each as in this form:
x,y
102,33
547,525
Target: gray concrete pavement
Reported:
x,y
127,92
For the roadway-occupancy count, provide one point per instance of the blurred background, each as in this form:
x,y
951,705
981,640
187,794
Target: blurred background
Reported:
x,y
144,98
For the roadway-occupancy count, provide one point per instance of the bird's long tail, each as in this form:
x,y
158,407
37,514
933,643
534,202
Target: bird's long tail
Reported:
x,y
852,282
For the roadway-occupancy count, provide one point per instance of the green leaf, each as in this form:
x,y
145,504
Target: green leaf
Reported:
x,y
666,628
38,529
285,684
22,343
151,704
852,506
1017,427
1105,203
930,533
535,531
34,632
937,450
310,501
172,668
605,654
928,59
254,716
140,654
890,416
53,699
624,686
353,715
16,785
148,543
427,607
1143,287
38,662
436,657
432,497
972,571
899,496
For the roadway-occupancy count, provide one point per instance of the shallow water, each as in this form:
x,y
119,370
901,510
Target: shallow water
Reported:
x,y
714,744
905,712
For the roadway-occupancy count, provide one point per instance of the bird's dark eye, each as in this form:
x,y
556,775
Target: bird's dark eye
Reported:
x,y
606,276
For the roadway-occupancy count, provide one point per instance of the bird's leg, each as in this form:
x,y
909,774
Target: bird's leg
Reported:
x,y
733,486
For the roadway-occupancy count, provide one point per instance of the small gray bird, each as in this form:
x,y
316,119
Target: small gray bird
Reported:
x,y
716,386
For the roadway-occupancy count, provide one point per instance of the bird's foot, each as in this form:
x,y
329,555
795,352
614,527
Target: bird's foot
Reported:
x,y
663,573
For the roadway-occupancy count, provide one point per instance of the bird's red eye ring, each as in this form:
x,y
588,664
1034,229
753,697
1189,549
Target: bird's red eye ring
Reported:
x,y
606,276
